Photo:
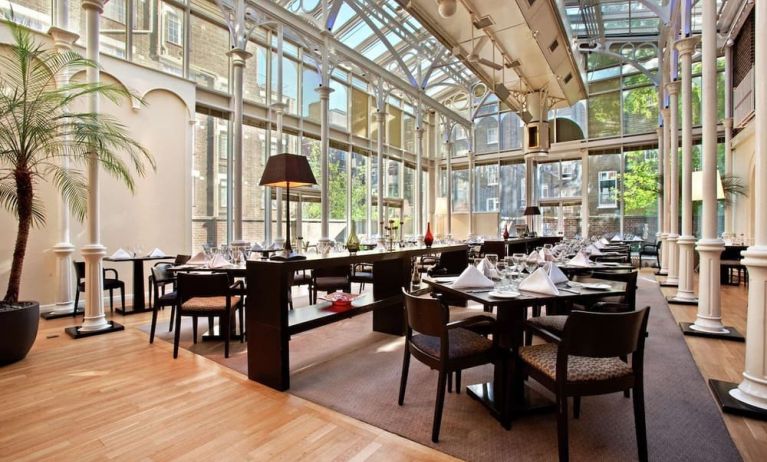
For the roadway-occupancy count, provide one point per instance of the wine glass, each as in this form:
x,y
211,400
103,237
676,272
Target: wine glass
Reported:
x,y
519,263
492,259
531,264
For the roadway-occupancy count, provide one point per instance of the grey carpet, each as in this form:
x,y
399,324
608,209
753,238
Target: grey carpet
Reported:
x,y
352,370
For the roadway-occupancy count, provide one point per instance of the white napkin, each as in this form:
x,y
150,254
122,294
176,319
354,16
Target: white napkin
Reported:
x,y
616,238
198,259
218,262
121,255
539,282
472,278
256,247
579,260
604,241
598,245
156,253
637,238
555,274
486,268
275,246
534,255
595,250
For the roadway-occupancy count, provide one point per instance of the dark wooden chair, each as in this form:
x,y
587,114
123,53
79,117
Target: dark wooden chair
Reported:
x,y
651,251
299,278
179,260
160,279
362,273
451,263
586,363
330,280
207,296
442,345
109,284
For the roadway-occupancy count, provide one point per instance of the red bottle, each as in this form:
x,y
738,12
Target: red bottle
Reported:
x,y
428,238
505,232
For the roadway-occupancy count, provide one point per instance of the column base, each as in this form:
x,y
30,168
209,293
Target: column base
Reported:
x,y
661,272
77,332
726,396
669,282
727,333
677,300
60,312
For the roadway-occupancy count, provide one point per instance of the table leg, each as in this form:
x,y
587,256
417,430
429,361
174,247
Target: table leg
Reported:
x,y
139,305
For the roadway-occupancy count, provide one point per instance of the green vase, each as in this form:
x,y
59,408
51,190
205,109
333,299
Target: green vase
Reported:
x,y
353,243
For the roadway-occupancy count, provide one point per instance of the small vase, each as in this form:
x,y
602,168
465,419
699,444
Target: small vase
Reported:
x,y
428,238
505,232
353,243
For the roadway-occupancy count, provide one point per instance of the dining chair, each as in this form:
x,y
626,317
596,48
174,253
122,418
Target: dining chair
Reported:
x,y
650,251
161,277
206,296
330,280
109,284
299,278
442,345
586,363
179,260
362,273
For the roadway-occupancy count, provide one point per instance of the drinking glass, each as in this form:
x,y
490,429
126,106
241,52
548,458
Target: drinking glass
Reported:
x,y
492,259
531,265
519,263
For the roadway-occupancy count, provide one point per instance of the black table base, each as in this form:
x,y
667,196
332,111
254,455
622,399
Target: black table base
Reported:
x,y
531,402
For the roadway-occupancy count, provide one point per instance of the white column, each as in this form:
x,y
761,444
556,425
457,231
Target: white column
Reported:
x,y
673,174
449,174
666,168
585,173
729,208
418,227
686,242
238,56
93,252
709,247
62,42
278,111
470,155
324,92
658,234
380,118
753,389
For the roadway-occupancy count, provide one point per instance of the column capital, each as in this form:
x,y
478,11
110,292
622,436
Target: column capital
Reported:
x,y
380,116
324,92
278,107
673,87
686,46
97,5
239,56
62,38
666,113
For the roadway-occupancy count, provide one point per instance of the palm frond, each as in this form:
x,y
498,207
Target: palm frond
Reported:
x,y
73,187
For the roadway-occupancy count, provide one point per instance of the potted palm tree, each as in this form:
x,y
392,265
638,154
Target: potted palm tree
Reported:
x,y
38,128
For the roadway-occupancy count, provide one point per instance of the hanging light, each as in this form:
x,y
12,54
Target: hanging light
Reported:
x,y
446,8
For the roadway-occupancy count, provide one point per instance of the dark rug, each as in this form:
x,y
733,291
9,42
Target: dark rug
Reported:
x,y
356,372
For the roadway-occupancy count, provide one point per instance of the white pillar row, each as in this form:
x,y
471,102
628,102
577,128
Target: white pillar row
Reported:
x,y
63,40
673,173
324,92
729,209
753,389
686,242
470,154
94,251
710,247
379,117
664,159
238,56
659,132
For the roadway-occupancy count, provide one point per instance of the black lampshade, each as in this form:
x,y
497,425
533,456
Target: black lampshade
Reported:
x,y
283,170
532,210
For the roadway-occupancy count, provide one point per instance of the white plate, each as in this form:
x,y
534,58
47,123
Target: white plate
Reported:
x,y
607,263
504,294
596,286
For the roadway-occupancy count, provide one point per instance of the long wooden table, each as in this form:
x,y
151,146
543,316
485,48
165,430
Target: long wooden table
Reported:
x,y
507,396
270,323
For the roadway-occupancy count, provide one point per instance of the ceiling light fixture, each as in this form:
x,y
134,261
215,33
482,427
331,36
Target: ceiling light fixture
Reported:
x,y
447,8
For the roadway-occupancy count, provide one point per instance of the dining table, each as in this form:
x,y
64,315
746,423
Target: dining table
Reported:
x,y
139,302
572,270
508,395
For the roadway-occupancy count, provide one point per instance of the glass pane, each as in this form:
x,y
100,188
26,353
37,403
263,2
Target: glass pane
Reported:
x,y
310,99
254,77
311,229
486,188
254,158
394,128
408,194
409,133
359,192
209,186
393,177
113,34
360,112
337,182
289,83
604,206
339,104
550,220
208,62
158,42
640,110
548,180
571,215
640,193
571,178
460,142
512,200
460,195
511,131
35,14
604,115
486,134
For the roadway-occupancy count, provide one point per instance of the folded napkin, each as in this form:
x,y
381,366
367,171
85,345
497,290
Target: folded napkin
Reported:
x,y
156,253
275,246
595,250
579,260
555,274
637,238
256,247
535,255
121,254
218,262
198,259
616,238
539,282
598,245
486,268
604,241
472,278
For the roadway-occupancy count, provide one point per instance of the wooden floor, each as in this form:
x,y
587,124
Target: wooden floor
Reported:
x,y
117,397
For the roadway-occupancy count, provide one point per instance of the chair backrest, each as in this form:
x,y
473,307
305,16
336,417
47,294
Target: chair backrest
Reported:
x,y
427,316
161,275
630,278
79,270
604,335
496,247
454,262
202,285
334,271
181,259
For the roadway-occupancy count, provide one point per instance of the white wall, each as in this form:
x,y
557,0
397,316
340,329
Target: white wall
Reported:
x,y
157,215
743,147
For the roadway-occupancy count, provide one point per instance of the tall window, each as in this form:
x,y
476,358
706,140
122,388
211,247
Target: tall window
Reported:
x,y
172,27
608,185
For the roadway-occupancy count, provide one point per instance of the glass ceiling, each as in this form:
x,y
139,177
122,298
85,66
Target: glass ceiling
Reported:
x,y
384,32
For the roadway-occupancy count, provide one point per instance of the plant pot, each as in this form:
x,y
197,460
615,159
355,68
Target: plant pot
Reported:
x,y
18,329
